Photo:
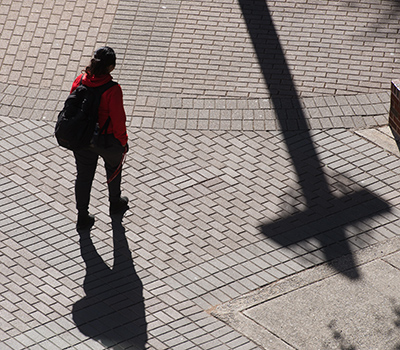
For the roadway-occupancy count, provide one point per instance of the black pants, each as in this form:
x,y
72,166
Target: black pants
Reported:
x,y
86,163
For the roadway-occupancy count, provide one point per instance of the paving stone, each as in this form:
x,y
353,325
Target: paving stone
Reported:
x,y
209,161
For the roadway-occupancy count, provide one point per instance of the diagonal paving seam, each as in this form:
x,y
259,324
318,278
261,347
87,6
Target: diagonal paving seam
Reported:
x,y
249,313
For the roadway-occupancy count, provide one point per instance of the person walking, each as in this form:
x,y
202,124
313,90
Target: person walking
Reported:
x,y
112,142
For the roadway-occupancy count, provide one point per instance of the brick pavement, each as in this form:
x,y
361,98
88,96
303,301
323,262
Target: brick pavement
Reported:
x,y
208,164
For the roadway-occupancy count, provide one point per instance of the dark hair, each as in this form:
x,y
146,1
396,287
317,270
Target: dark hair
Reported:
x,y
103,58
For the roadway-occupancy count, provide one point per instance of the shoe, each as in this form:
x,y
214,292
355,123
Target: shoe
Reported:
x,y
85,222
120,206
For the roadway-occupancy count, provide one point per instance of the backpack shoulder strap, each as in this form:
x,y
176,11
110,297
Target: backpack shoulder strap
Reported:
x,y
100,91
102,88
103,130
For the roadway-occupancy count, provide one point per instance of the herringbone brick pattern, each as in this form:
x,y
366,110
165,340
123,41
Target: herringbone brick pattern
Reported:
x,y
198,200
217,208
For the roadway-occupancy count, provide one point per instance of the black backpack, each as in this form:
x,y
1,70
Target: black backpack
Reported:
x,y
76,123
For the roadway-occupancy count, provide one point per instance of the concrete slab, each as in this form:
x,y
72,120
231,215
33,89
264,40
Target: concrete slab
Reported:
x,y
381,136
319,310
337,313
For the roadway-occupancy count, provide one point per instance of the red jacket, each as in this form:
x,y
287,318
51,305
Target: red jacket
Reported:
x,y
111,105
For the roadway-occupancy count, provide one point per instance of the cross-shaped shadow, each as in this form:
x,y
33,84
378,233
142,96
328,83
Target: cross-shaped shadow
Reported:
x,y
326,216
112,311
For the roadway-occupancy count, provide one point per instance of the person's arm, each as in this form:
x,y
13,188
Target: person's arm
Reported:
x,y
76,83
117,114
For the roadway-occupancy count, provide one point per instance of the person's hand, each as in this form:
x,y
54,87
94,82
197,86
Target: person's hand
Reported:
x,y
126,147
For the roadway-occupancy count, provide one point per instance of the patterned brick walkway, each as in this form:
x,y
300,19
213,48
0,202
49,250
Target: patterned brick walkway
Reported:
x,y
208,170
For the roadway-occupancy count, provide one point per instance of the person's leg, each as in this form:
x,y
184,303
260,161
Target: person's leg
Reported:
x,y
113,158
114,187
86,162
118,204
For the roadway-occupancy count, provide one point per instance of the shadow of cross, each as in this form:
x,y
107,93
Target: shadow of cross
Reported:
x,y
326,216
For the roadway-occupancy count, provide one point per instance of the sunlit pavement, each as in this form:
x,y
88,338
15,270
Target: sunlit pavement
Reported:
x,y
262,178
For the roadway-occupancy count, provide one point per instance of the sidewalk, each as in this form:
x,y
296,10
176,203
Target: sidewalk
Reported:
x,y
317,309
263,180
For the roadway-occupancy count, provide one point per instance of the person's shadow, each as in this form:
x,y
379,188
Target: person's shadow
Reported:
x,y
112,312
